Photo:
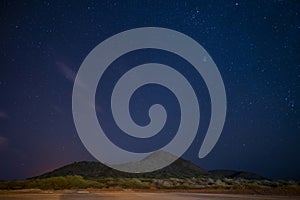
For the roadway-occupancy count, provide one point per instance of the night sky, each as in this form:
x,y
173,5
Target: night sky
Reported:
x,y
255,45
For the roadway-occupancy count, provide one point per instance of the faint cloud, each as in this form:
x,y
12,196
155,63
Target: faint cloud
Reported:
x,y
3,115
66,71
3,143
69,74
57,109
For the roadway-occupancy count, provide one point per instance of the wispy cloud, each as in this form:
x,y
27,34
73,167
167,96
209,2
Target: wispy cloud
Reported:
x,y
66,71
69,74
3,115
57,109
3,142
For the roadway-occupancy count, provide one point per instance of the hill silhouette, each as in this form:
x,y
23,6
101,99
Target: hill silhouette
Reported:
x,y
180,175
222,173
180,168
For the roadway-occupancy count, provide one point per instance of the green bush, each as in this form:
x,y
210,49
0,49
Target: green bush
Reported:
x,y
55,183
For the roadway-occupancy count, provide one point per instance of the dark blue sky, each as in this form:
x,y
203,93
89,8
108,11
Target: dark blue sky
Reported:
x,y
255,44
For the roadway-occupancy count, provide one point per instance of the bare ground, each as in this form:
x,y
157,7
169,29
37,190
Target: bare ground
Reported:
x,y
131,195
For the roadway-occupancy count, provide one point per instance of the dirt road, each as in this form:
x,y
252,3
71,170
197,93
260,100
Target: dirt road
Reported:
x,y
135,196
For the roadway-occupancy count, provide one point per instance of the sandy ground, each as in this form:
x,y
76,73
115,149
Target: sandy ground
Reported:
x,y
129,195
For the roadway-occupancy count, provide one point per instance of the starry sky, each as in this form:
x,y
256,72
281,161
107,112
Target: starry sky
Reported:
x,y
255,44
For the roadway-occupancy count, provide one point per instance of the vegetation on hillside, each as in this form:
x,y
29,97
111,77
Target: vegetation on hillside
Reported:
x,y
180,175
180,169
78,182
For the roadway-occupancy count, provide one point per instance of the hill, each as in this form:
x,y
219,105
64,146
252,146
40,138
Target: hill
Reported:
x,y
235,174
180,175
179,169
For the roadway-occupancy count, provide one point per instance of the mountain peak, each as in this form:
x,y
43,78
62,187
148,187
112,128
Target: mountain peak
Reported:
x,y
155,160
